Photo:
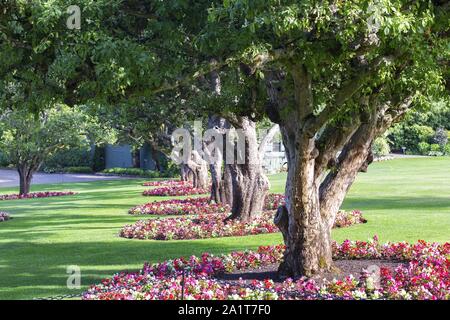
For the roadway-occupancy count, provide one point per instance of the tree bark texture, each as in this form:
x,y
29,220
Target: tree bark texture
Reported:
x,y
324,158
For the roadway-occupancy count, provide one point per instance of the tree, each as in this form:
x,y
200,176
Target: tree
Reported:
x,y
337,76
29,139
242,185
334,75
131,54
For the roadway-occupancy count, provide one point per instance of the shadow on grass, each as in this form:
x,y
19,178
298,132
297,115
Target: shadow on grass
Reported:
x,y
425,203
95,260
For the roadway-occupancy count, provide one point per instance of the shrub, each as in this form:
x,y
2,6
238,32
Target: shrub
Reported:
x,y
435,147
441,139
69,170
78,170
381,147
447,149
137,173
72,157
409,136
423,148
435,151
435,154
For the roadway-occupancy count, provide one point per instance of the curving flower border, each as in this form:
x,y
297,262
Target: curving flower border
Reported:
x,y
424,274
273,201
167,183
194,206
215,226
34,195
174,191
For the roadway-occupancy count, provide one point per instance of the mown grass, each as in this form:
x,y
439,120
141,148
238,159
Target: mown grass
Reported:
x,y
404,200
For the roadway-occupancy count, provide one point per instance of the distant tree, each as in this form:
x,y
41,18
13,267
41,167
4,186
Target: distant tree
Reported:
x,y
28,139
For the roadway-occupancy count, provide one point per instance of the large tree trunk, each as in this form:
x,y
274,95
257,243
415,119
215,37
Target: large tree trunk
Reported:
x,y
318,178
311,207
25,177
214,148
249,182
306,233
195,171
226,186
201,180
185,173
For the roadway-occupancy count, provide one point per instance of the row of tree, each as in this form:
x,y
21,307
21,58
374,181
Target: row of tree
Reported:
x,y
334,75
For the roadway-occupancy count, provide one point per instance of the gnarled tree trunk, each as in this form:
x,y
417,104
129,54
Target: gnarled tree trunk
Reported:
x,y
325,152
185,173
195,171
249,182
243,186
312,204
219,127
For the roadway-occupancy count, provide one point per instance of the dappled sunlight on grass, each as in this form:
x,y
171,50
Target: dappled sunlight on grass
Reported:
x,y
405,199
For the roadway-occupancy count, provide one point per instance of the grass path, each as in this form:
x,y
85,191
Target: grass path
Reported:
x,y
403,199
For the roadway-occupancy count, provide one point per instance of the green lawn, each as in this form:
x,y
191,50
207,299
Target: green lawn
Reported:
x,y
406,199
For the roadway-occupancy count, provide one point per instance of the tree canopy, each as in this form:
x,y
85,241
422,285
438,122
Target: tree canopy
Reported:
x,y
333,74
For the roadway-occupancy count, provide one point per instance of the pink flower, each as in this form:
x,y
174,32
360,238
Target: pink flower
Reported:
x,y
207,224
167,183
31,195
424,276
197,206
175,191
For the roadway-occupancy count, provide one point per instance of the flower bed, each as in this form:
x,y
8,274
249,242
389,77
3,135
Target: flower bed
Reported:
x,y
424,275
343,218
4,216
174,191
347,218
273,201
198,206
213,226
34,195
167,183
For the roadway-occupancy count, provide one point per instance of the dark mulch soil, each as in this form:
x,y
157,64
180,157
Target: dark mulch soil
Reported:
x,y
343,268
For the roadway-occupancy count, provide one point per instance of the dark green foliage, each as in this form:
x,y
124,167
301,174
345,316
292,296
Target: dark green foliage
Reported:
x,y
441,138
3,160
381,147
69,170
73,157
412,136
99,161
140,173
